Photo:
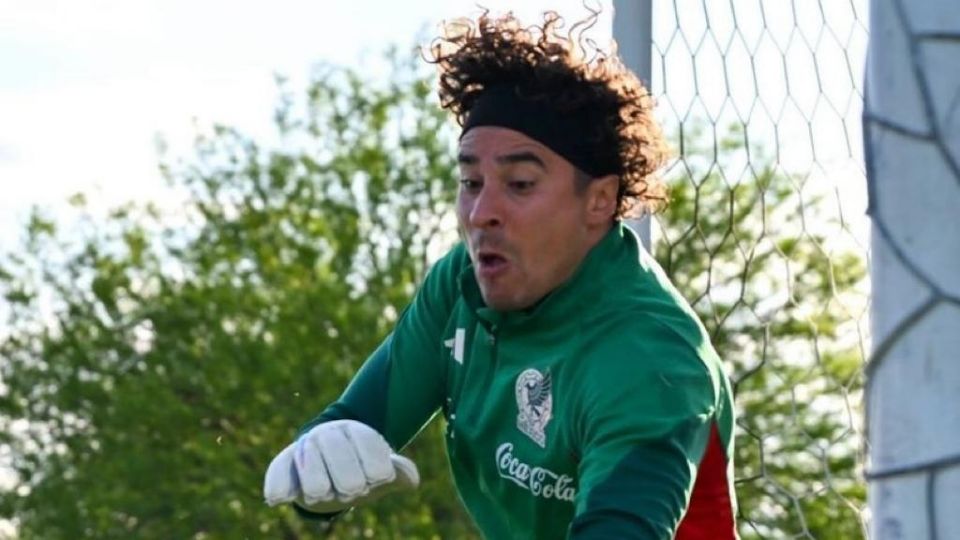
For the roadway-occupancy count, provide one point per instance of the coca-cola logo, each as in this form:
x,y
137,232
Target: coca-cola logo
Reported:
x,y
540,482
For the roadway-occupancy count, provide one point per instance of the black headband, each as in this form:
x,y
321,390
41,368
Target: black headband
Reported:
x,y
562,132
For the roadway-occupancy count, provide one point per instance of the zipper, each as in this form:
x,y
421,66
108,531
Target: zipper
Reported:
x,y
453,401
492,368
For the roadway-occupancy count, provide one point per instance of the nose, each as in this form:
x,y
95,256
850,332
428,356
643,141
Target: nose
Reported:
x,y
485,208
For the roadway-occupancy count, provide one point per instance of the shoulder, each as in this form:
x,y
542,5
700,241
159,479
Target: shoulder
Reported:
x,y
455,258
642,368
640,344
442,280
451,264
641,326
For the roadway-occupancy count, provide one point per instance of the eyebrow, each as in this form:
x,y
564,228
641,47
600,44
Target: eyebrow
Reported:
x,y
508,159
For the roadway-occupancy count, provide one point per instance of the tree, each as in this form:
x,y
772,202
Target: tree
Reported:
x,y
154,361
183,349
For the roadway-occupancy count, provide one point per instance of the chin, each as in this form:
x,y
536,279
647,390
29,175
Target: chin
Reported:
x,y
504,303
496,303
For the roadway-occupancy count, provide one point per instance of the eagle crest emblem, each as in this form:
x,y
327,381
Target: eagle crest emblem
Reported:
x,y
534,404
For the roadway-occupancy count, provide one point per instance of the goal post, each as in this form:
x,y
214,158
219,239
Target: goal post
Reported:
x,y
912,149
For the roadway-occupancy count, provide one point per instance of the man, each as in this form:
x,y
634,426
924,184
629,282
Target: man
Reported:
x,y
581,394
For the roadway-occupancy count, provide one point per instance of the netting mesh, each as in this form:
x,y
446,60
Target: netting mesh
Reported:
x,y
767,237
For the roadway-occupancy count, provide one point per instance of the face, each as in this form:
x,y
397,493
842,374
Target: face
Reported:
x,y
525,223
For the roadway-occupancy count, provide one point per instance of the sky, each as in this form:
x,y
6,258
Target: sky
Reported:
x,y
87,86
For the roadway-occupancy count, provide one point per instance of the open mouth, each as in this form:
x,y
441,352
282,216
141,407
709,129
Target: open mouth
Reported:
x,y
491,259
491,262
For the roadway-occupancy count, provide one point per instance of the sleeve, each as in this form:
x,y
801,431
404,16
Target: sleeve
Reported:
x,y
402,384
643,425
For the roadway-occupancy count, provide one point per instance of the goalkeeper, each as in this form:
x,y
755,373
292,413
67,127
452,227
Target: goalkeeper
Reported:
x,y
581,395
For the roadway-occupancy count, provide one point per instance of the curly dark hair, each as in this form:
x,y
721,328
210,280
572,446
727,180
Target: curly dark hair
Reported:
x,y
473,55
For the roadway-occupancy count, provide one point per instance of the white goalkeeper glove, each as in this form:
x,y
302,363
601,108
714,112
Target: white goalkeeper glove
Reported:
x,y
337,465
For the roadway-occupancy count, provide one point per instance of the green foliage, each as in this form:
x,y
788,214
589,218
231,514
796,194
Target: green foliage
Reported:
x,y
155,361
776,297
179,351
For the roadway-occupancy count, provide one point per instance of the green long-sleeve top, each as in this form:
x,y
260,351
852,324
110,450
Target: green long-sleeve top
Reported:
x,y
602,412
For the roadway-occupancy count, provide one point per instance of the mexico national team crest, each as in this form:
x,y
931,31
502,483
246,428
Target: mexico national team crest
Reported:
x,y
535,404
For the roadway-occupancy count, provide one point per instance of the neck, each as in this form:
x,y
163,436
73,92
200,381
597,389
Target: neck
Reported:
x,y
595,235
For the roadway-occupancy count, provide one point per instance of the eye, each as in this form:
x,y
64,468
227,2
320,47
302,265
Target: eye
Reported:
x,y
521,186
470,184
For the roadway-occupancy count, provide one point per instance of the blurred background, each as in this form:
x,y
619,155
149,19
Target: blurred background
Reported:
x,y
211,212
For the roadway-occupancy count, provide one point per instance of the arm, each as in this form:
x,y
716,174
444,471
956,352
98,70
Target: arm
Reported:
x,y
402,384
642,440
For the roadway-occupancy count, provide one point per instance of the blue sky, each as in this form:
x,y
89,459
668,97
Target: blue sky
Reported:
x,y
86,86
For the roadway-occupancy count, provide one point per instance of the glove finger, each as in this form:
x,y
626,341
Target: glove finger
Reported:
x,y
327,507
280,484
406,470
340,456
373,452
312,472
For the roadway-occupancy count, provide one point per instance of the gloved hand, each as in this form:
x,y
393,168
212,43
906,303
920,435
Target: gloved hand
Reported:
x,y
337,465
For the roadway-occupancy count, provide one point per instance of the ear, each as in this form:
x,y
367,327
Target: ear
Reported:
x,y
602,199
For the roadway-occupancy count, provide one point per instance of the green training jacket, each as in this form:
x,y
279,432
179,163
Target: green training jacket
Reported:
x,y
602,412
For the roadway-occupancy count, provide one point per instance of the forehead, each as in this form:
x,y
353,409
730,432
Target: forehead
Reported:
x,y
490,142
